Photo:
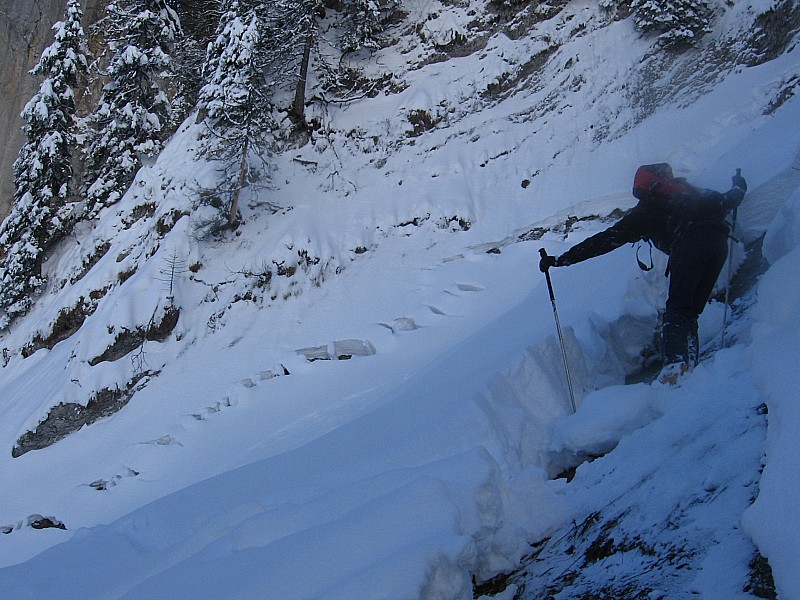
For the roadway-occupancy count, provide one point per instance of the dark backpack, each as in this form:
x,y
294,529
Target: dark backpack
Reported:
x,y
656,182
657,185
675,204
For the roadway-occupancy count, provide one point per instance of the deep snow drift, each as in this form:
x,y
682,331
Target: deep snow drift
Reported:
x,y
242,469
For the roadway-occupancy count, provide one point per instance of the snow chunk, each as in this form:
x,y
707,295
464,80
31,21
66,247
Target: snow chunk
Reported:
x,y
773,521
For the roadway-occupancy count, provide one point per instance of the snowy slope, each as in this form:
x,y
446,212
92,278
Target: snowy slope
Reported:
x,y
241,469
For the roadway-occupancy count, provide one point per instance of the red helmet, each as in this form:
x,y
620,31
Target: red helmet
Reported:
x,y
649,177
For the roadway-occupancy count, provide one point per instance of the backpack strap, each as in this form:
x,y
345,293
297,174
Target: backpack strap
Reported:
x,y
643,266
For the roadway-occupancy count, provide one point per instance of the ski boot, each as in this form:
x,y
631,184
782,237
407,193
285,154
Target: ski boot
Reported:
x,y
672,373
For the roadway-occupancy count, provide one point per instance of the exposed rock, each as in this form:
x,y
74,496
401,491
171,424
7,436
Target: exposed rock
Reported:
x,y
775,31
128,340
34,521
64,419
40,522
90,261
167,221
760,582
68,321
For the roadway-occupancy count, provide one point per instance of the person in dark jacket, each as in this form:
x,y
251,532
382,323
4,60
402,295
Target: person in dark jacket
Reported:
x,y
688,224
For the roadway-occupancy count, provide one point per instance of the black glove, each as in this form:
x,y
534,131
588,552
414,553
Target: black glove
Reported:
x,y
738,181
546,262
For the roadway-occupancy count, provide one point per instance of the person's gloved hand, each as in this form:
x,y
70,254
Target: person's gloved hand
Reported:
x,y
738,181
546,262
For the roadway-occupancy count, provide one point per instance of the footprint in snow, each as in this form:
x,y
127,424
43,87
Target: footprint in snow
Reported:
x,y
401,324
468,287
164,440
102,485
232,399
226,402
342,350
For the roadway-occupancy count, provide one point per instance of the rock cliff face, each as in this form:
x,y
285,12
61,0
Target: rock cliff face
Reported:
x,y
25,30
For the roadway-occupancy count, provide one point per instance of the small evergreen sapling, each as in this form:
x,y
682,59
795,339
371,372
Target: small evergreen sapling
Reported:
x,y
174,268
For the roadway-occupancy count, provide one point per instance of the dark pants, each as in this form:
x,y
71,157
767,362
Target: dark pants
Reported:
x,y
695,263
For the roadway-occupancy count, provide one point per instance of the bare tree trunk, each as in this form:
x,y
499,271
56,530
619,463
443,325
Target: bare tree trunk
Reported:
x,y
232,216
298,111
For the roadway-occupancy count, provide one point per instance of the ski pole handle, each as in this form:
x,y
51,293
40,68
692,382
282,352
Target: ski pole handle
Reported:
x,y
546,261
739,181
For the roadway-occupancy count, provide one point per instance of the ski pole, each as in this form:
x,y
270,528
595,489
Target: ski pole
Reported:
x,y
730,272
728,285
546,270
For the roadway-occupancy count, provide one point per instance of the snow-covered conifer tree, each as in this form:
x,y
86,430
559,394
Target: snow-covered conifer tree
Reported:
x,y
287,35
235,86
259,63
43,169
294,39
236,98
364,20
133,113
199,19
678,22
296,25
